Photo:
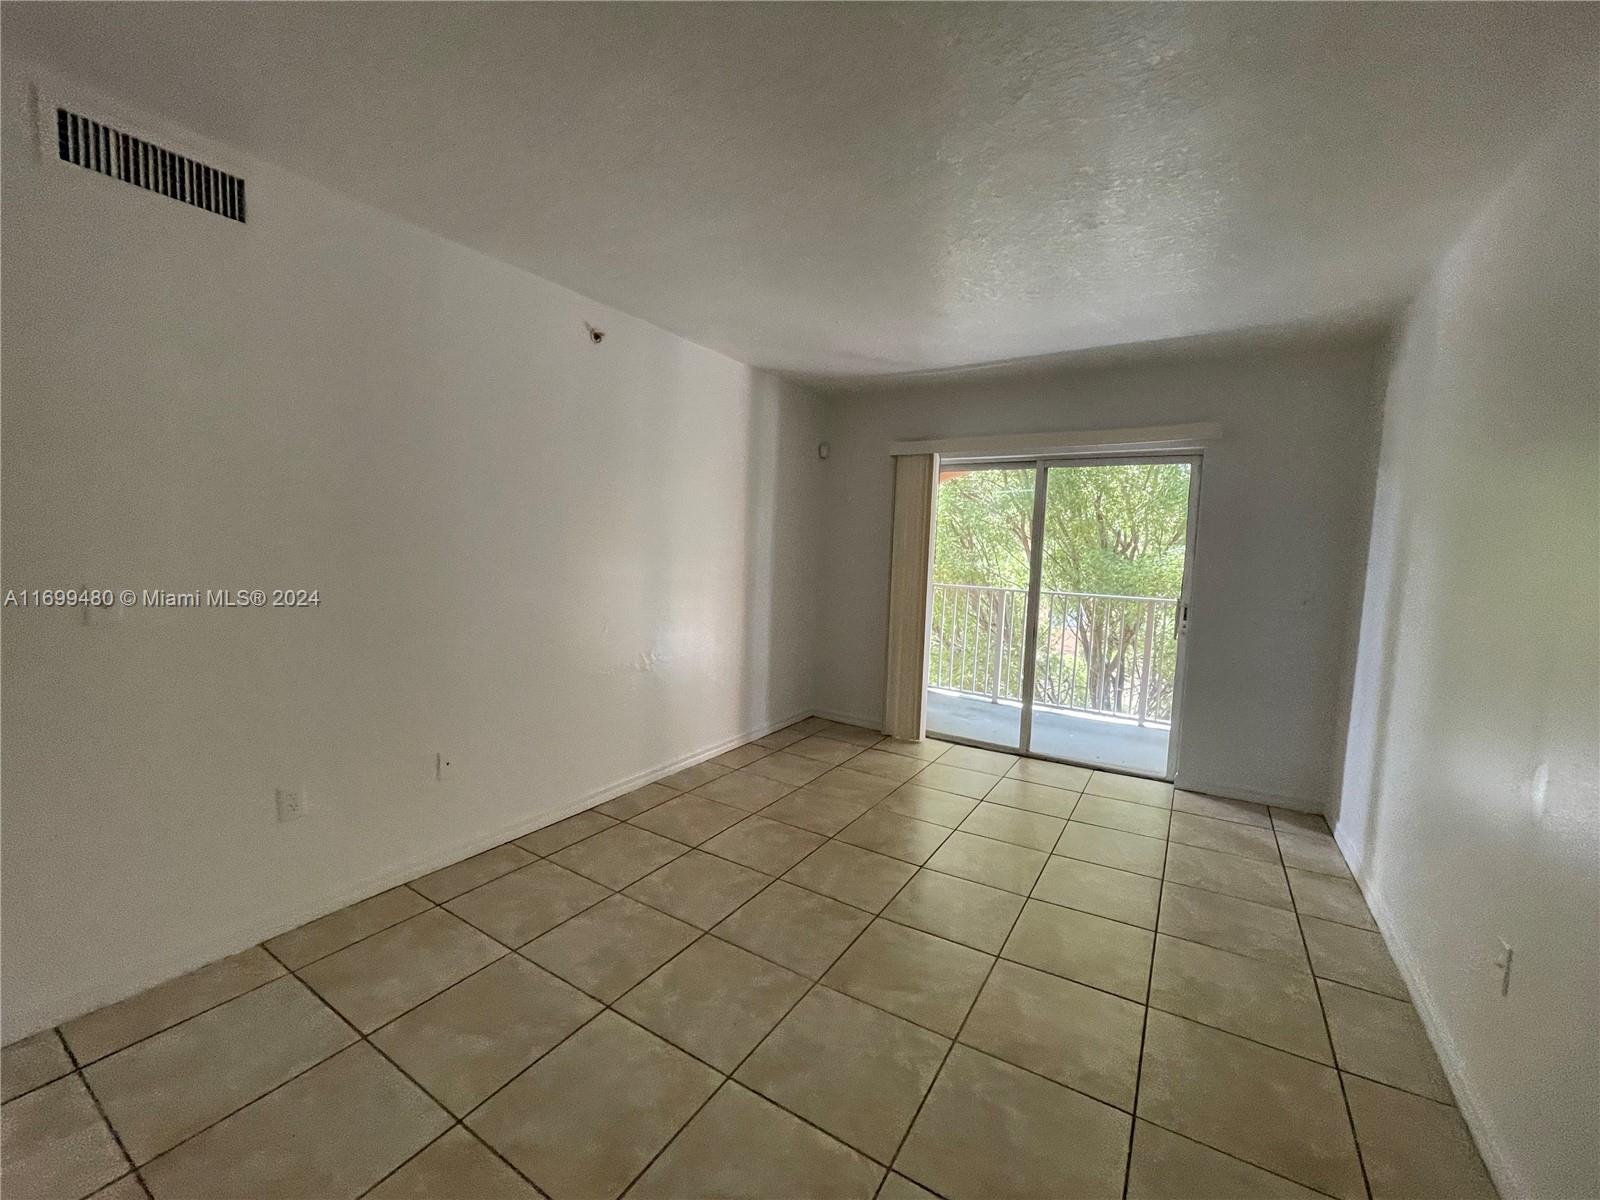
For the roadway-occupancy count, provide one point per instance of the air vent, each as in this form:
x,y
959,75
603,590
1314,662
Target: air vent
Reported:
x,y
133,160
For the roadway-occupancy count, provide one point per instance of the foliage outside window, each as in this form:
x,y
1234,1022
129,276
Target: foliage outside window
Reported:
x,y
1111,572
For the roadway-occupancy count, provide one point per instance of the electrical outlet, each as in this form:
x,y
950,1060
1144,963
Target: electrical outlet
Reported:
x,y
291,803
444,766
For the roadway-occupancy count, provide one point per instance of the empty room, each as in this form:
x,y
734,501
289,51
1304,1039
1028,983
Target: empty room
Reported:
x,y
802,601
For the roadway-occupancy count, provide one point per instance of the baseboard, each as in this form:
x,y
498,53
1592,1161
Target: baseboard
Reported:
x,y
1450,1058
44,1016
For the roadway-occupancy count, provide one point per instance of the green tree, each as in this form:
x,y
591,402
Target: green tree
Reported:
x,y
1110,531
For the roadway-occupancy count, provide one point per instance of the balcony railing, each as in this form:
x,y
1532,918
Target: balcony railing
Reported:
x,y
1108,655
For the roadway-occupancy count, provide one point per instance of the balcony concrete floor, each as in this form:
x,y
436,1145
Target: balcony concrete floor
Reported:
x,y
1075,737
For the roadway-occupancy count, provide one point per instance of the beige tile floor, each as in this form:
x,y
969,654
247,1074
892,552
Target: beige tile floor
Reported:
x,y
823,964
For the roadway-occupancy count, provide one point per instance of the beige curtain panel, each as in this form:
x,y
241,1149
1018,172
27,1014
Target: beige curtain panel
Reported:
x,y
910,568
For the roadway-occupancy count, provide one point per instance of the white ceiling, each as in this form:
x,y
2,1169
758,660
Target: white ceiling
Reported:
x,y
862,189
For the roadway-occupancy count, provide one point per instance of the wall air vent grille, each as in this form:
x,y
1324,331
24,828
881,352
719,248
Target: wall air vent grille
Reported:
x,y
109,151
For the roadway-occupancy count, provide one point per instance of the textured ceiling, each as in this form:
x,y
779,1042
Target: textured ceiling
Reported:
x,y
861,189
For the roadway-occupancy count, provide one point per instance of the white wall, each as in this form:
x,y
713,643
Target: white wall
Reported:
x,y
567,565
1469,803
1283,503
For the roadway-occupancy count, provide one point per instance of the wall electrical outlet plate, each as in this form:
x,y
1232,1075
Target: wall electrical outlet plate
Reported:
x,y
291,803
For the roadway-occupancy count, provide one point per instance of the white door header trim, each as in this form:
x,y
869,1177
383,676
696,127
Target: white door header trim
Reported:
x,y
1047,445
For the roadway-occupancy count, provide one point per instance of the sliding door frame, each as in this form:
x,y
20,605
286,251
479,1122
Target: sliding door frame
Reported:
x,y
1185,593
1030,631
1041,468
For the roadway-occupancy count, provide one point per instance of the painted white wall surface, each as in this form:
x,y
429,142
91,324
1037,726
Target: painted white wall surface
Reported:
x,y
1469,807
1283,501
569,566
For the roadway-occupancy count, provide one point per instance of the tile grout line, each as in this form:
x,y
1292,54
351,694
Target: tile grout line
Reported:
x,y
513,949
1144,1024
798,1001
288,972
609,1006
1344,1095
459,1122
443,904
364,937
817,982
1189,1137
165,1028
879,915
998,955
1048,853
80,1068
262,945
996,959
1310,972
977,995
479,1138
884,1182
72,1067
448,1130
1148,1007
701,933
889,1166
729,1076
360,1037
456,1122
105,1118
1356,987
407,884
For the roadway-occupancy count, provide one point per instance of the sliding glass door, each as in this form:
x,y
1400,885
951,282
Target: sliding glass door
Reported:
x,y
978,616
1060,602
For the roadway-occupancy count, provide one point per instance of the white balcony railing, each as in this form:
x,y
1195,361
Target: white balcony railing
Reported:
x,y
1109,655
